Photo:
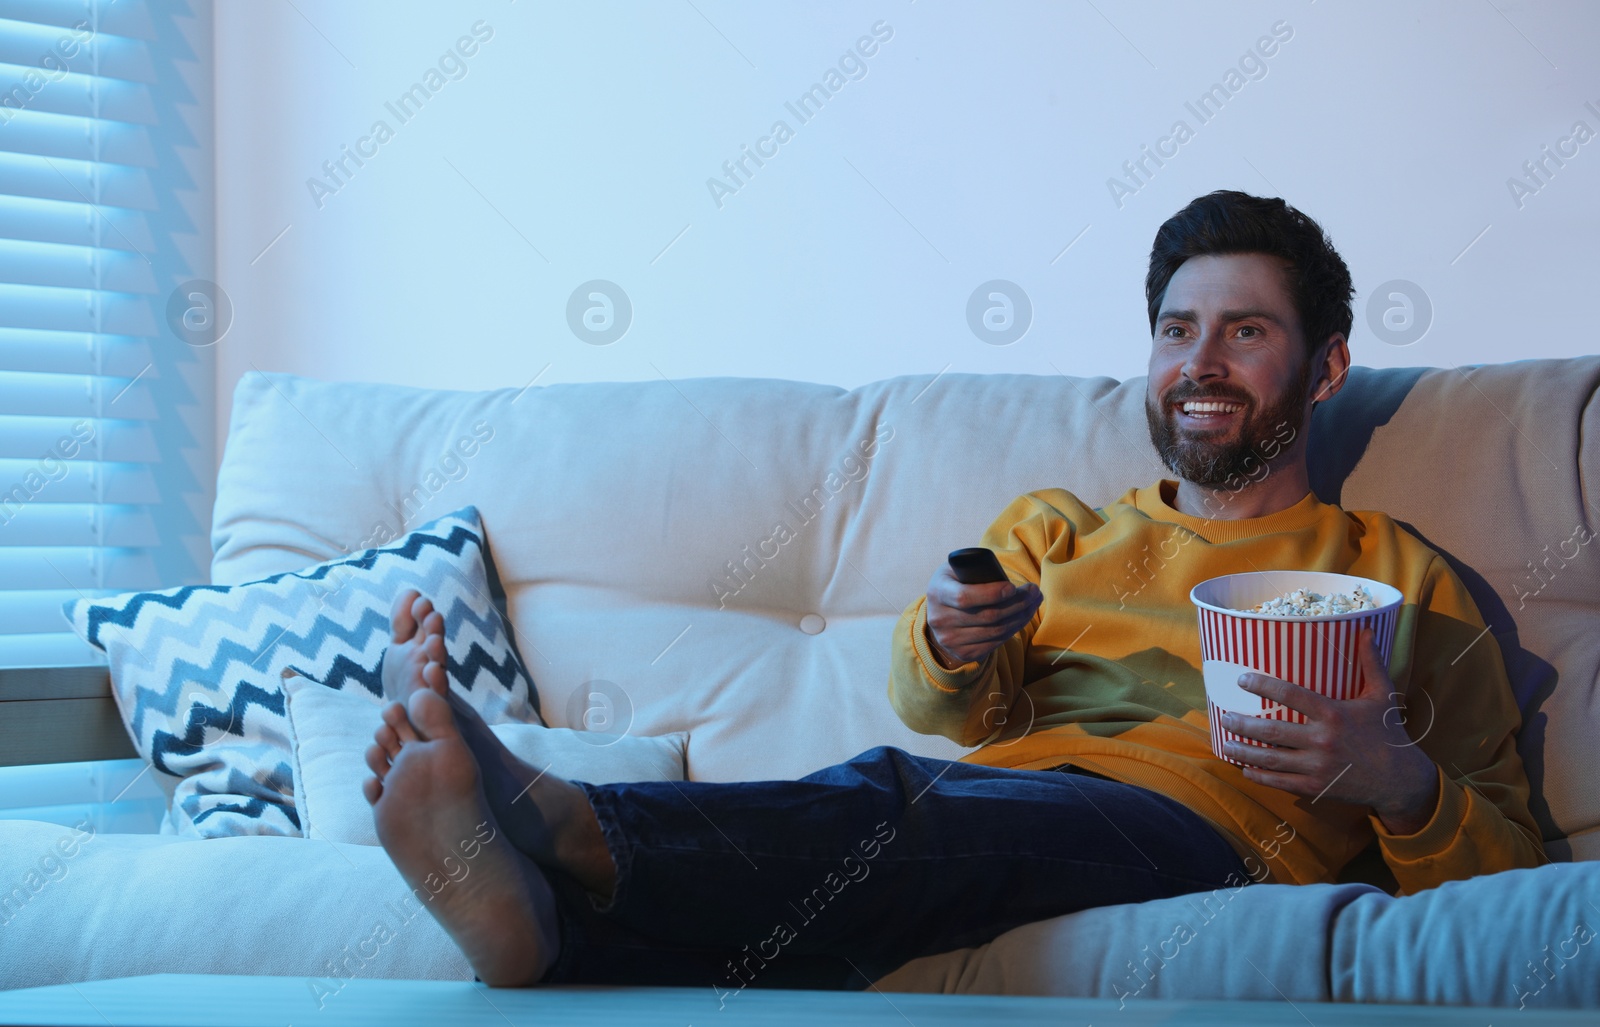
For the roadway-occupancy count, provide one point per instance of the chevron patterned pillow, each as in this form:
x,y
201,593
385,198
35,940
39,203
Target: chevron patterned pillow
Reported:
x,y
197,671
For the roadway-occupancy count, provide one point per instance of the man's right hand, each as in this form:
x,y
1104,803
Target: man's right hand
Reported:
x,y
968,622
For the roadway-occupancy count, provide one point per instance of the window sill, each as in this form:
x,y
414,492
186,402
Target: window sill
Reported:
x,y
59,715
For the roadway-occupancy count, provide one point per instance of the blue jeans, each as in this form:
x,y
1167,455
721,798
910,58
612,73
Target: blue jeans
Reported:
x,y
838,878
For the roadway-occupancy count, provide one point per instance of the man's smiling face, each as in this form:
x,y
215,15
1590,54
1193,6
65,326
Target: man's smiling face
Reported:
x,y
1228,367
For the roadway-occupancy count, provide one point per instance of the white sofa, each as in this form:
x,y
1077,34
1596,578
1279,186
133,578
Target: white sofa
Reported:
x,y
634,528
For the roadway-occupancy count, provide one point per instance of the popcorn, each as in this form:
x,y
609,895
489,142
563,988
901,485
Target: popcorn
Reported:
x,y
1305,603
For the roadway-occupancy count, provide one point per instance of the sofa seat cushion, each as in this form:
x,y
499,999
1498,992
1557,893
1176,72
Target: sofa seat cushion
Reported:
x,y
124,904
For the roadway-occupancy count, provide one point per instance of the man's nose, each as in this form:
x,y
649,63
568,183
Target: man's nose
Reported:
x,y
1205,358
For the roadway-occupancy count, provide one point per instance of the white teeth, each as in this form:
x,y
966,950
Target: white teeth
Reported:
x,y
1210,408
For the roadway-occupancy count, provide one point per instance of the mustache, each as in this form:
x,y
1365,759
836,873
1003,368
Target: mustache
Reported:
x,y
1185,393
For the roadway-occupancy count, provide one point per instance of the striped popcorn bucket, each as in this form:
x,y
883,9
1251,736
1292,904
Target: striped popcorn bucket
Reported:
x,y
1318,653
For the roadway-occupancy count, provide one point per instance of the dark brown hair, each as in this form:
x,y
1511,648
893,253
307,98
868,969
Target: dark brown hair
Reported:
x,y
1227,221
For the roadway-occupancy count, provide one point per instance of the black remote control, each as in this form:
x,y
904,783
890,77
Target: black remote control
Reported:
x,y
976,566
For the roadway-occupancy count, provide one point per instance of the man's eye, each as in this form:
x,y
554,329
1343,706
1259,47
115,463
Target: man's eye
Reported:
x,y
1252,329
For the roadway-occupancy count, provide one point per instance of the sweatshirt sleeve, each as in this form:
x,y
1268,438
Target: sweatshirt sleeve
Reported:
x,y
971,704
1461,713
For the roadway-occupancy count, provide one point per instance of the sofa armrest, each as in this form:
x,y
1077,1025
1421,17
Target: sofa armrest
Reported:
x,y
59,715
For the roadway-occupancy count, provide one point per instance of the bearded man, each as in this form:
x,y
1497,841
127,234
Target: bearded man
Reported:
x,y
1092,781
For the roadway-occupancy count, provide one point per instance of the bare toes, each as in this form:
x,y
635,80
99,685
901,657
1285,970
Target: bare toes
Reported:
x,y
378,759
432,716
421,607
402,625
372,788
434,677
394,715
433,625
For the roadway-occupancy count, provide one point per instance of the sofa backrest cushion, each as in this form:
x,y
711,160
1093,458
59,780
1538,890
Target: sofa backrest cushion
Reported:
x,y
727,556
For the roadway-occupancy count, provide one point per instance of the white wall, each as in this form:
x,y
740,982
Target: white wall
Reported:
x,y
978,145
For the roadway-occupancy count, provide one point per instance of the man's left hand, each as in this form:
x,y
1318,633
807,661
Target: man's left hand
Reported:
x,y
1349,750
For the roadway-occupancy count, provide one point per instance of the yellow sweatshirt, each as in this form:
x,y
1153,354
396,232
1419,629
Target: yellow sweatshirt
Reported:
x,y
1107,677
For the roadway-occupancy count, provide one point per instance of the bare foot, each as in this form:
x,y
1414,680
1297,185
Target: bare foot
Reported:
x,y
547,818
435,823
415,657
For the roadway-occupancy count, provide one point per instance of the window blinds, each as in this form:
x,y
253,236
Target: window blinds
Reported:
x,y
105,408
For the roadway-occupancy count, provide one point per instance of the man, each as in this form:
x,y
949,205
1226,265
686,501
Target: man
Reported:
x,y
1094,783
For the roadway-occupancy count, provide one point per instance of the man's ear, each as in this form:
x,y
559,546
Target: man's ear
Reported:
x,y
1335,367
